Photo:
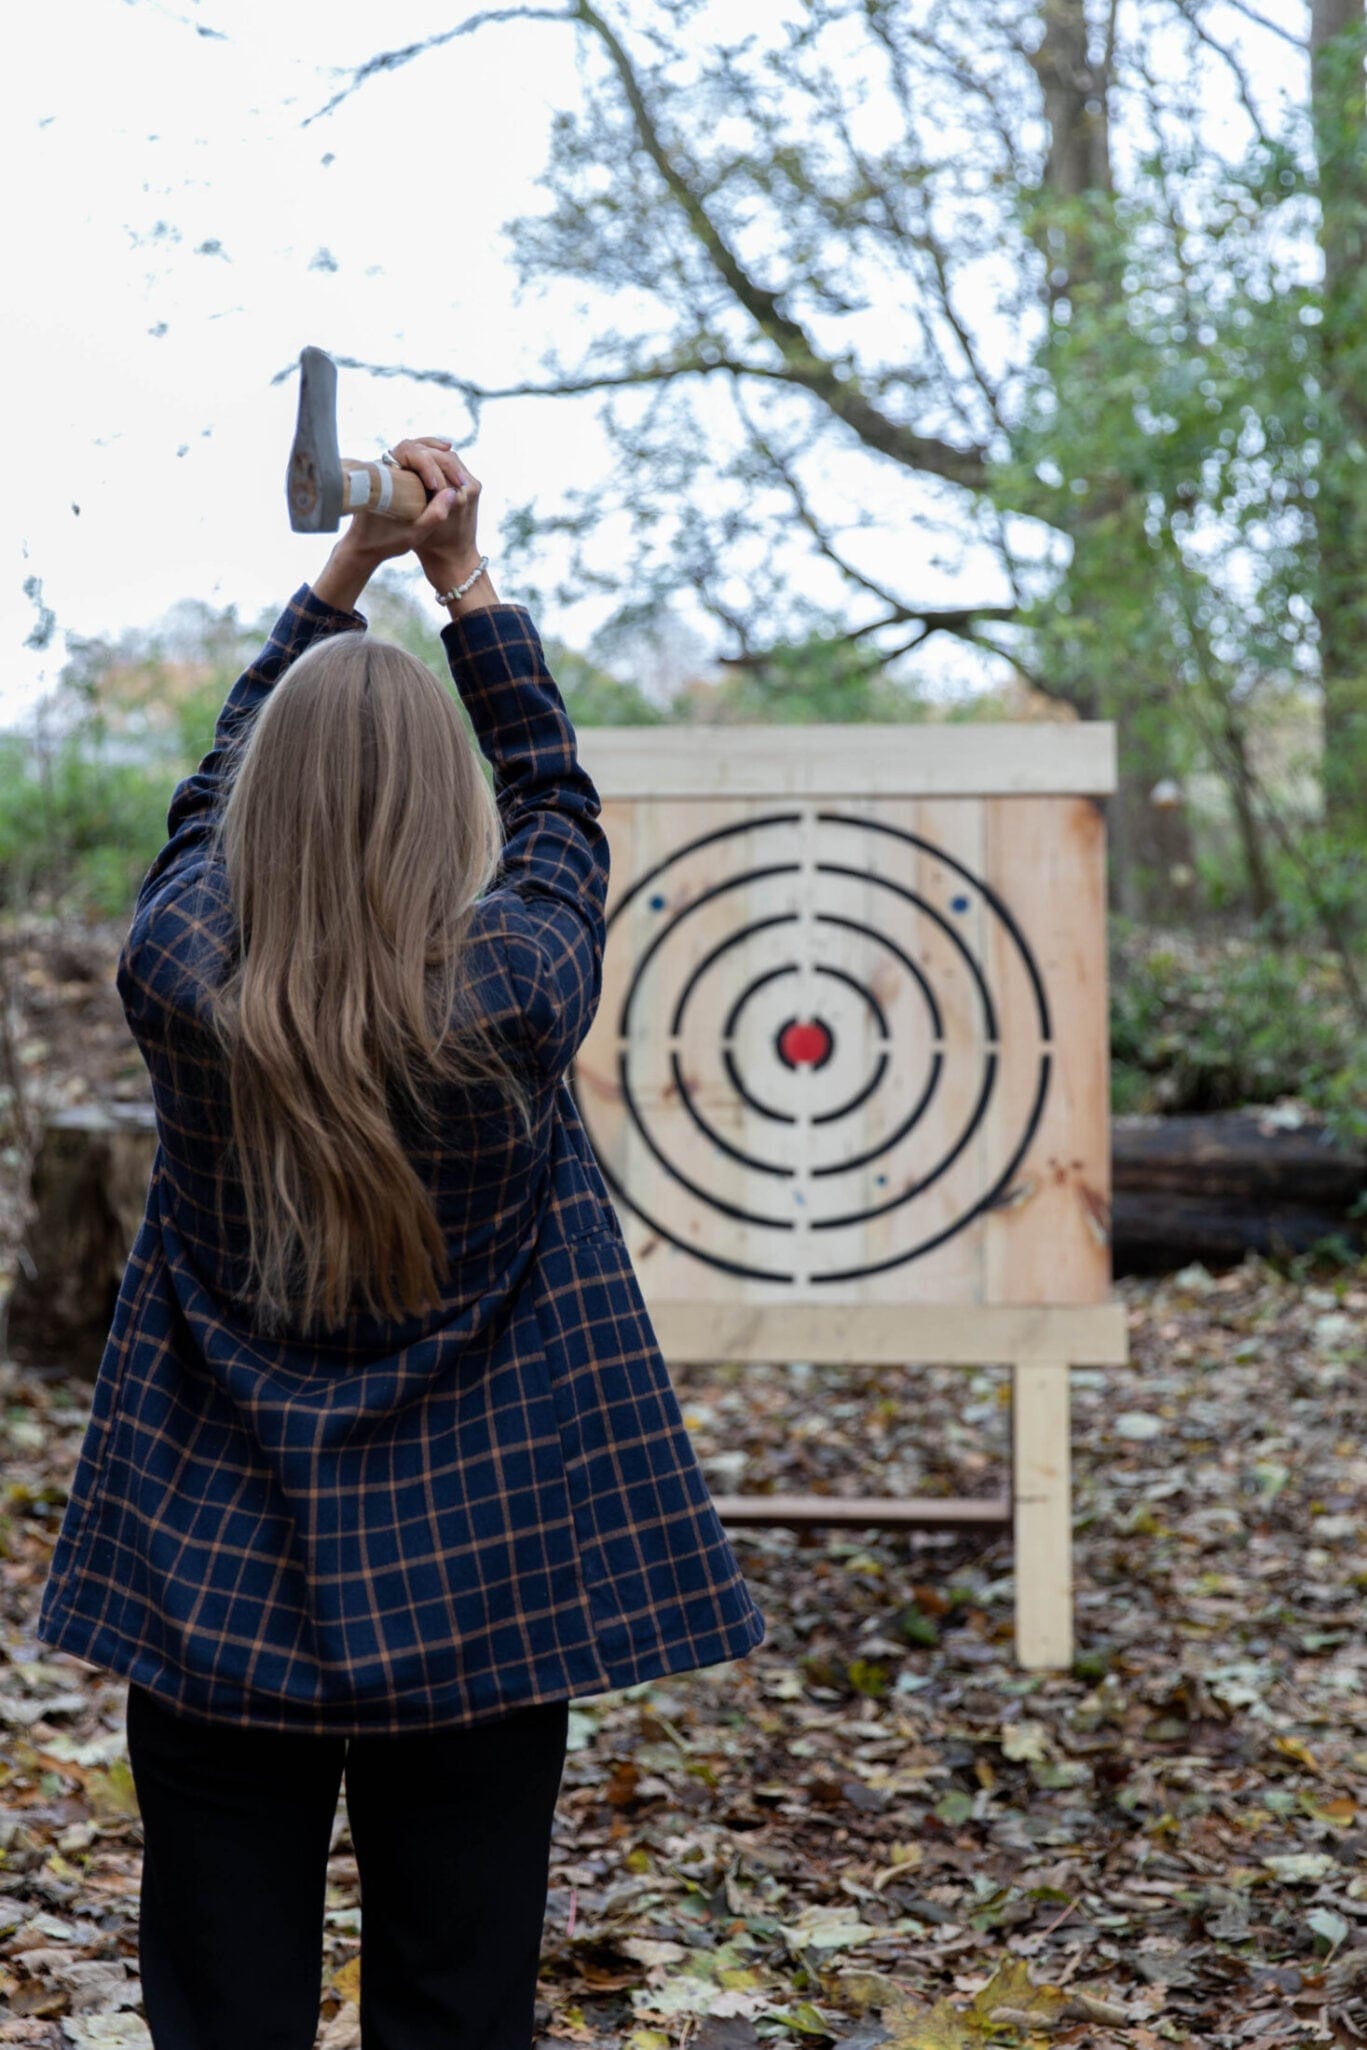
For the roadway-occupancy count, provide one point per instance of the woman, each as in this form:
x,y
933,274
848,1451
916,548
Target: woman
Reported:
x,y
383,1464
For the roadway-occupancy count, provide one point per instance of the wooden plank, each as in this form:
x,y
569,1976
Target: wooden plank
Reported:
x,y
891,1334
874,1512
643,837
1042,1505
1053,759
1048,1240
951,1272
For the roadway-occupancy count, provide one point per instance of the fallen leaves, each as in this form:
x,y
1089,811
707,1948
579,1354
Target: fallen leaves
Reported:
x,y
1301,1868
877,1831
1010,2001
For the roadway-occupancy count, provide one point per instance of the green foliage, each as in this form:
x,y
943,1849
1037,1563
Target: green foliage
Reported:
x,y
77,829
196,717
821,679
1212,1028
1165,435
595,697
1183,431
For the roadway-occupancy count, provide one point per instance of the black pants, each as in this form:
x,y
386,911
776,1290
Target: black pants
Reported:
x,y
451,1830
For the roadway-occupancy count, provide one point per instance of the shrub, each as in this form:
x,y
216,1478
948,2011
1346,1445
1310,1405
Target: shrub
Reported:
x,y
77,830
1207,1027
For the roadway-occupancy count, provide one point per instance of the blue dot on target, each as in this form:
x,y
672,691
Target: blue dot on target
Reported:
x,y
961,903
658,901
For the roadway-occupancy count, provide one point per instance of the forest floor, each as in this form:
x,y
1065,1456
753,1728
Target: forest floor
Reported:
x,y
876,1830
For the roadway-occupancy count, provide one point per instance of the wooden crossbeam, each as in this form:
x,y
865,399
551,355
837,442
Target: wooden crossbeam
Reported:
x,y
996,760
890,1334
882,1512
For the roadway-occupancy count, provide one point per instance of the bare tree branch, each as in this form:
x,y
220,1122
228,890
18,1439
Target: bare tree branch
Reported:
x,y
201,29
923,242
955,620
803,364
665,371
974,83
1274,28
1191,15
843,397
394,60
899,612
781,468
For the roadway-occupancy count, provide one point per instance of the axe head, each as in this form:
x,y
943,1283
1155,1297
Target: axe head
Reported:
x,y
313,483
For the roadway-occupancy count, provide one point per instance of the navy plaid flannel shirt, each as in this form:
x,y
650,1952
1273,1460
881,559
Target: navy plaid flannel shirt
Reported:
x,y
401,1525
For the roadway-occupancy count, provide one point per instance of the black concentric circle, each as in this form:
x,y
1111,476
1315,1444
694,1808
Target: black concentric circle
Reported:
x,y
843,1079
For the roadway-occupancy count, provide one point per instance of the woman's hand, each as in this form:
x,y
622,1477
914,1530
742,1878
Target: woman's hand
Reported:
x,y
449,550
370,540
373,535
443,536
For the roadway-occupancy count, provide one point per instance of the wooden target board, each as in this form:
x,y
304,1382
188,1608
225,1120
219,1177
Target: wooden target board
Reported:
x,y
848,1079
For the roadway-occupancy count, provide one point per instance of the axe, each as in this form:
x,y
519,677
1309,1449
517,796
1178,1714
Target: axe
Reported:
x,y
320,484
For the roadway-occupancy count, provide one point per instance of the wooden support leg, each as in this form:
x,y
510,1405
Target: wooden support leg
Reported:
x,y
1043,1511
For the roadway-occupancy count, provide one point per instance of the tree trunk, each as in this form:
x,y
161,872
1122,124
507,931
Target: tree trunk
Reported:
x,y
1076,102
1152,865
89,1187
1339,110
1242,786
1151,853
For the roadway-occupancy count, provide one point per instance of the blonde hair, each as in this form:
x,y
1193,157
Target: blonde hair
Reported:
x,y
358,834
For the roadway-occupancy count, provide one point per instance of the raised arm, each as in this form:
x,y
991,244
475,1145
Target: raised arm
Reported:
x,y
554,875
326,607
553,880
169,947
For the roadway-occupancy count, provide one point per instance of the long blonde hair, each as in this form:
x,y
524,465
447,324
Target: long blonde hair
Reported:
x,y
357,836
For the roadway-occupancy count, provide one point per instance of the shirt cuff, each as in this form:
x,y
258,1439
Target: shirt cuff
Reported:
x,y
485,628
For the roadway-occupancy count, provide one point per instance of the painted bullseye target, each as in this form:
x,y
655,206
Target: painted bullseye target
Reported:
x,y
832,1047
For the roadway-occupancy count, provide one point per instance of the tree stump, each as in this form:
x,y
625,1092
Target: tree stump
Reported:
x,y
89,1187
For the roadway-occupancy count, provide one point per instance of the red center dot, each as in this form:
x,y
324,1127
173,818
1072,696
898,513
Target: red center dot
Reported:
x,y
805,1044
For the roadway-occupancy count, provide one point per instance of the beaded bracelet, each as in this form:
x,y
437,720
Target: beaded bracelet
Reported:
x,y
459,590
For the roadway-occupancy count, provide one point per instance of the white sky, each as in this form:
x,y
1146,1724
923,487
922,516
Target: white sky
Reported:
x,y
166,209
139,371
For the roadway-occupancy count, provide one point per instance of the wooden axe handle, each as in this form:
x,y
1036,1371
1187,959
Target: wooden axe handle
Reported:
x,y
382,488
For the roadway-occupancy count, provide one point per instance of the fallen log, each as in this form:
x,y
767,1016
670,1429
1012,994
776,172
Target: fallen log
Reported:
x,y
1214,1189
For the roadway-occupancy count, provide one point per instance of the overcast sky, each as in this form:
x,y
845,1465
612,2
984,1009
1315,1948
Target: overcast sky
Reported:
x,y
176,233
175,236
